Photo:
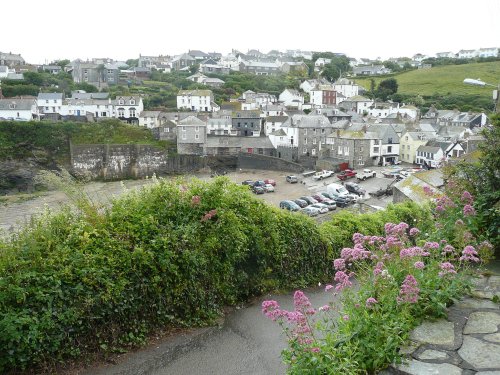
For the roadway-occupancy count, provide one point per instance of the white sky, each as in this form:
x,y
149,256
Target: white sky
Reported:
x,y
123,29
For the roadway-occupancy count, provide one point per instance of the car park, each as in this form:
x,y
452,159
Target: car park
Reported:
x,y
289,205
270,181
292,179
309,200
323,208
301,203
310,211
258,190
354,188
268,188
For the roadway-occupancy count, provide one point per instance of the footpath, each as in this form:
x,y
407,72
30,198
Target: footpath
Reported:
x,y
467,342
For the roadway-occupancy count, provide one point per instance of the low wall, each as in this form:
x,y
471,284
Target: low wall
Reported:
x,y
256,161
113,162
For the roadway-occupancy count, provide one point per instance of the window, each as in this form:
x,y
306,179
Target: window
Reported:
x,y
407,156
46,102
389,140
389,149
340,150
184,136
375,150
132,112
361,162
360,157
314,141
183,128
196,136
13,106
304,151
121,102
408,147
103,114
346,150
197,129
166,130
403,147
132,102
406,138
313,151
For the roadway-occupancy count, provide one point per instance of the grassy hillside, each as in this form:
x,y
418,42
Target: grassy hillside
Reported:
x,y
444,79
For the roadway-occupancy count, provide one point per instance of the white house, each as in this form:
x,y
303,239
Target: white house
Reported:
x,y
358,104
274,123
487,52
82,107
320,63
19,109
150,119
466,54
291,98
220,126
430,156
323,95
309,84
49,102
196,100
128,108
449,55
346,88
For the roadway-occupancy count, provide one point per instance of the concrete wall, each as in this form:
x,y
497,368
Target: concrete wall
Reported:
x,y
255,161
112,162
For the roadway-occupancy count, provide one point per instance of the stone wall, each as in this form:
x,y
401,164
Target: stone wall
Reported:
x,y
255,161
113,162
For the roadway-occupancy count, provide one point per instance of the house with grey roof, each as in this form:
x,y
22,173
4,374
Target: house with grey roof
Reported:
x,y
432,154
19,109
388,145
191,136
370,70
11,59
54,69
309,84
273,123
182,62
213,67
358,104
99,75
150,119
89,95
298,67
259,68
409,143
228,145
220,125
198,55
247,123
196,100
50,103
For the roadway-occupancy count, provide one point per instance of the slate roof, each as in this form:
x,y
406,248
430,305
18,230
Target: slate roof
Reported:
x,y
305,121
20,104
280,133
150,114
242,142
276,118
195,92
89,95
50,96
358,98
192,120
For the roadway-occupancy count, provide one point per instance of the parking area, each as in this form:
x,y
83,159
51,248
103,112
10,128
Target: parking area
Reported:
x,y
310,186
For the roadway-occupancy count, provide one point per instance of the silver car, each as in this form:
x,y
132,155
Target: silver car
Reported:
x,y
310,211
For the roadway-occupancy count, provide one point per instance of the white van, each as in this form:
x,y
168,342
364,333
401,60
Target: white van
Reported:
x,y
337,190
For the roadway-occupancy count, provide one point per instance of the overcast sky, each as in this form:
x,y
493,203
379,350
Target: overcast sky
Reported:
x,y
44,31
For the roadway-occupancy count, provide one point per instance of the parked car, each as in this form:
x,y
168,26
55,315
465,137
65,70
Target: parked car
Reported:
x,y
319,197
301,203
348,173
341,201
323,208
336,190
310,211
248,182
260,183
327,195
354,188
270,181
292,179
367,173
309,200
258,190
268,188
289,205
330,203
323,174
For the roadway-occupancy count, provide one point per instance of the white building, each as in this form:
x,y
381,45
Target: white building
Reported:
x,y
487,52
309,84
291,98
323,95
346,88
320,63
128,108
150,119
83,107
19,109
196,100
50,102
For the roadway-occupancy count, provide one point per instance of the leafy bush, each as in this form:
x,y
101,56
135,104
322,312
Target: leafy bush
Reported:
x,y
172,253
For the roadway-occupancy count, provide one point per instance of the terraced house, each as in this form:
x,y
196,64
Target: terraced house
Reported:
x,y
196,100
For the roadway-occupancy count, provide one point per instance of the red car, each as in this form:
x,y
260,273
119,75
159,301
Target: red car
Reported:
x,y
270,181
348,173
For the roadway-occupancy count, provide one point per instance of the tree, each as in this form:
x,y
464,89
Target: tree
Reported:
x,y
386,88
132,62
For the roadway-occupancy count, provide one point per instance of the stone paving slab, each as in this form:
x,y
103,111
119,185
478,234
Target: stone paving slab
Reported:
x,y
466,343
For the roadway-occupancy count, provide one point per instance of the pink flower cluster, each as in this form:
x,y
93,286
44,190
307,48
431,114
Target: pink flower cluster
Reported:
x,y
370,302
428,191
209,215
448,250
356,253
378,269
431,245
342,280
467,197
414,232
195,200
446,268
469,210
396,229
408,293
339,264
419,265
414,251
469,254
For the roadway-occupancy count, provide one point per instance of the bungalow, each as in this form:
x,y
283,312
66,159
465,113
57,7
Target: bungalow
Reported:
x,y
370,70
259,68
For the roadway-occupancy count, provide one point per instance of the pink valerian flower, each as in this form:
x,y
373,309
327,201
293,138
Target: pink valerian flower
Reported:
x,y
414,232
358,238
342,280
195,200
443,242
448,250
467,197
370,302
324,308
345,318
413,252
210,214
428,191
328,287
396,230
315,350
469,210
419,265
468,236
339,264
408,293
459,222
445,202
300,301
431,245
439,208
272,310
446,268
469,254
378,269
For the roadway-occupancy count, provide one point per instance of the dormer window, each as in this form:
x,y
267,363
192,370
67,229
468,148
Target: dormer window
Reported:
x,y
121,102
132,102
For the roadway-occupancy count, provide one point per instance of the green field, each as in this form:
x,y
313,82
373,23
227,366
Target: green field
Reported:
x,y
444,79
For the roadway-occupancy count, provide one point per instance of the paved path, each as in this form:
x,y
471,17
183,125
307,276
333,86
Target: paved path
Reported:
x,y
466,343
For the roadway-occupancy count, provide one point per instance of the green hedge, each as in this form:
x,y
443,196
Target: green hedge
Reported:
x,y
73,283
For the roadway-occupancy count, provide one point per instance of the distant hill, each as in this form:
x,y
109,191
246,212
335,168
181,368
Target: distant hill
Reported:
x,y
443,79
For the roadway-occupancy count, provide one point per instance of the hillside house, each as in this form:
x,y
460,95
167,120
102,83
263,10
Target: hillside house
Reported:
x,y
127,108
322,96
191,136
370,70
19,109
50,104
292,98
196,100
246,123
